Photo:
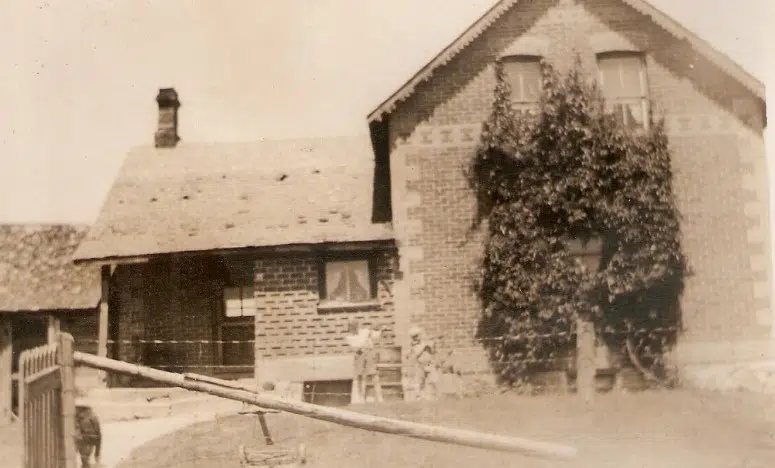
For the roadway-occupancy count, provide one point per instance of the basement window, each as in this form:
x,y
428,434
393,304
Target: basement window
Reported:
x,y
328,392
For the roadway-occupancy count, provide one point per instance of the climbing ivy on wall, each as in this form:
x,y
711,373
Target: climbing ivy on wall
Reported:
x,y
571,171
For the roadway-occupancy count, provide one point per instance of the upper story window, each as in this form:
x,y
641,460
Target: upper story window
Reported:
x,y
523,74
239,302
625,87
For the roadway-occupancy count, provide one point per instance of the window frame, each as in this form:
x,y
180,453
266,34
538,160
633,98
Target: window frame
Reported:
x,y
237,274
325,304
643,98
522,106
242,298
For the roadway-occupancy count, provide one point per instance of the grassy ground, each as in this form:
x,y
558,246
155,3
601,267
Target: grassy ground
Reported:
x,y
652,429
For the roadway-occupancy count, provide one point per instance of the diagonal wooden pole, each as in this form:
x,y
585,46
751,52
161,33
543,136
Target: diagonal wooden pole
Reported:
x,y
338,415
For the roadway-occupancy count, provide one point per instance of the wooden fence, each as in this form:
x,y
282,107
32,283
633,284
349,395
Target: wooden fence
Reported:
x,y
47,406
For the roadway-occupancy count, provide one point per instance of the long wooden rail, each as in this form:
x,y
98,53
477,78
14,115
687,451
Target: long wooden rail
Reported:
x,y
338,415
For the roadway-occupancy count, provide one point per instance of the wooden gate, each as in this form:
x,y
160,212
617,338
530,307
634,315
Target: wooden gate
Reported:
x,y
47,406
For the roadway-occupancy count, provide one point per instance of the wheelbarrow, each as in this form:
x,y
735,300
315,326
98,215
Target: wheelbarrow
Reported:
x,y
270,455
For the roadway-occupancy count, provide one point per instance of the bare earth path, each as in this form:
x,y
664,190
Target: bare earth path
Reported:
x,y
647,430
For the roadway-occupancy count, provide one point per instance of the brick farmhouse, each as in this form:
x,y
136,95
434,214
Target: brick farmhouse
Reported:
x,y
283,241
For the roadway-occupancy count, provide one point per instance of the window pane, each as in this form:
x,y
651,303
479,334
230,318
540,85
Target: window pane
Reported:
x,y
630,73
621,76
233,302
239,302
524,76
336,281
248,302
348,281
634,117
358,279
531,82
629,112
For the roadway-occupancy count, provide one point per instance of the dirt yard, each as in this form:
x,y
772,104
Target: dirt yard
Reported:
x,y
652,429
10,445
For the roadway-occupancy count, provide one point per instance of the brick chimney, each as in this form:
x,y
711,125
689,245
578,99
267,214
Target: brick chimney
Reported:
x,y
167,132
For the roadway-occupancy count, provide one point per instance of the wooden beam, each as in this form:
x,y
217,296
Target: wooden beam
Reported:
x,y
102,333
54,327
104,317
255,250
111,261
67,408
338,415
6,366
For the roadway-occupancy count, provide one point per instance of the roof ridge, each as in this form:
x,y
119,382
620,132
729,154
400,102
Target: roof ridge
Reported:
x,y
478,27
194,144
44,224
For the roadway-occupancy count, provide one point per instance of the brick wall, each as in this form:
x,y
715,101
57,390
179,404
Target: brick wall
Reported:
x,y
288,321
181,299
720,172
83,326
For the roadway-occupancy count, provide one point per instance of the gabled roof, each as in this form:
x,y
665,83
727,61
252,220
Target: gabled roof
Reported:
x,y
200,197
503,6
37,273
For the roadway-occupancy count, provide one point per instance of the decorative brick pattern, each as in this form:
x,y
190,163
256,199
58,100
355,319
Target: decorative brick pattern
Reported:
x,y
718,164
288,322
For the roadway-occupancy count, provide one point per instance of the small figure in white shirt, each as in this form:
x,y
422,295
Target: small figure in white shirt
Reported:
x,y
421,367
361,340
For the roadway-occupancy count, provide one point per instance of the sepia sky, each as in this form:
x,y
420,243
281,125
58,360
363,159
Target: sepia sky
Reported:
x,y
78,78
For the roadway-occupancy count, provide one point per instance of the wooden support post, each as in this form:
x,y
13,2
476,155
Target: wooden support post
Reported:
x,y
54,327
67,372
338,415
6,369
586,367
102,333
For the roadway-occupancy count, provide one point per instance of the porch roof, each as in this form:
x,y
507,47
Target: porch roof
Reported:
x,y
37,273
202,197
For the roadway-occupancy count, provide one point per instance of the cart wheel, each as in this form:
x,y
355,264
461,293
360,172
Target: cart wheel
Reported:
x,y
302,454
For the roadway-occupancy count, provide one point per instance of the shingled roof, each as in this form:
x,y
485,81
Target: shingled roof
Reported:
x,y
37,273
200,197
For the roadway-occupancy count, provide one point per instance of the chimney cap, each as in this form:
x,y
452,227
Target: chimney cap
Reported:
x,y
168,97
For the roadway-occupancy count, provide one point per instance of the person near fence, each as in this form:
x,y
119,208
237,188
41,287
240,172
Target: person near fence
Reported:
x,y
421,366
362,341
88,433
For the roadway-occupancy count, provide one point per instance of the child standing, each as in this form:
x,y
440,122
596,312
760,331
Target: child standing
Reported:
x,y
421,365
88,435
361,340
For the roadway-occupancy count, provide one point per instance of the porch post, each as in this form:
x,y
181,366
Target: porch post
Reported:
x,y
6,368
66,366
102,333
54,327
585,358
